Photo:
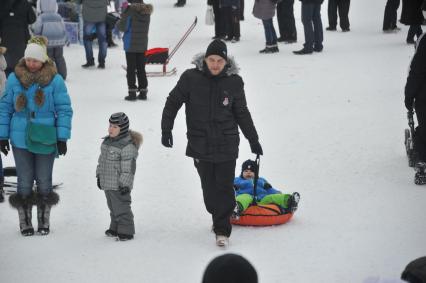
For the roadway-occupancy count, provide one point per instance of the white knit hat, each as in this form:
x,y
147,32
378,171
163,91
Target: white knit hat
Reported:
x,y
36,49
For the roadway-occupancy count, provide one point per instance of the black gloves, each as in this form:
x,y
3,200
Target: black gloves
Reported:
x,y
256,148
62,147
4,146
167,139
98,183
409,103
124,190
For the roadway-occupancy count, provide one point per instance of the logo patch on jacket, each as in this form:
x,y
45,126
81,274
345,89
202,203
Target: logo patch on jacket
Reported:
x,y
225,101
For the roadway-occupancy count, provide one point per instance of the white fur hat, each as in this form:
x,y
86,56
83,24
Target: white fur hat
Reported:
x,y
36,49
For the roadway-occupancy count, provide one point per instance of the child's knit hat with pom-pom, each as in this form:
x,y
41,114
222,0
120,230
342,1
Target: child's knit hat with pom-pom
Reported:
x,y
36,49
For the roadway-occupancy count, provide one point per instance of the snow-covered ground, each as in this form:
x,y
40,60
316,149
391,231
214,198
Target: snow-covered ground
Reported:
x,y
331,126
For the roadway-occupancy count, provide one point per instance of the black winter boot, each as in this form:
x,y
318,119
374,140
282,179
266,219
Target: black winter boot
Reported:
x,y
131,96
180,3
24,207
142,93
89,63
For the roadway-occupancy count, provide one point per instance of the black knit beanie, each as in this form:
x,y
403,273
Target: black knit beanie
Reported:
x,y
415,271
217,47
230,268
122,121
249,165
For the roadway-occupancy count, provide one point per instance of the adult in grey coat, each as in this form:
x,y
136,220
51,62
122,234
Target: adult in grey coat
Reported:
x,y
265,11
94,15
51,25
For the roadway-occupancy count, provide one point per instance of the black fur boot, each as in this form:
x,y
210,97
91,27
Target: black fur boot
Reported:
x,y
132,95
24,205
44,204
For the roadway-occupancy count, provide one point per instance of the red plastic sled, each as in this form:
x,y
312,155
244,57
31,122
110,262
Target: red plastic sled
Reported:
x,y
262,215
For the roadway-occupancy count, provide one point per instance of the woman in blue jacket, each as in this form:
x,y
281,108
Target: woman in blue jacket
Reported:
x,y
34,93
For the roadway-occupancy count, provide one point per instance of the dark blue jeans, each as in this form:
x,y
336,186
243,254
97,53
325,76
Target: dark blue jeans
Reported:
x,y
270,35
312,25
30,167
102,42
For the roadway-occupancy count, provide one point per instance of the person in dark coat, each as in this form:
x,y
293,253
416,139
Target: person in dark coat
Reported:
x,y
231,11
219,19
415,96
415,271
286,22
215,106
343,7
180,3
15,17
230,268
389,20
312,26
134,23
412,15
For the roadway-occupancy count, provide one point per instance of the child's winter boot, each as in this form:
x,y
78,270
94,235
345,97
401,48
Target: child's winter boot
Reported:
x,y
24,205
293,202
142,93
420,177
44,205
132,95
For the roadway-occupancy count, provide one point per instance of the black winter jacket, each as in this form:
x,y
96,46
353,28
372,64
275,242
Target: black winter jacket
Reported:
x,y
15,16
215,106
416,80
411,13
312,1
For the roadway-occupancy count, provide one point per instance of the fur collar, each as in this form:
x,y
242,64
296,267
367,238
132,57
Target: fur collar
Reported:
x,y
43,77
231,65
141,8
133,137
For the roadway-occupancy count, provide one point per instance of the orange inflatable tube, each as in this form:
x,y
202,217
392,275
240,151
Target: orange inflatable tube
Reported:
x,y
262,215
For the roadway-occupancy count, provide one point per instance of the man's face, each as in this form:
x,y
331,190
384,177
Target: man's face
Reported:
x,y
215,63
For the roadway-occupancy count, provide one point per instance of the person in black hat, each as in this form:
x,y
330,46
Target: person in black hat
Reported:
x,y
215,106
115,174
230,268
265,193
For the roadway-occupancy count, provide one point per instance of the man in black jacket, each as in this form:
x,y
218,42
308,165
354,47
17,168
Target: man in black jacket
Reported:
x,y
415,96
215,106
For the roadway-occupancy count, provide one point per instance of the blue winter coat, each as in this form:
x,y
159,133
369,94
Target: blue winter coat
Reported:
x,y
245,186
50,106
50,24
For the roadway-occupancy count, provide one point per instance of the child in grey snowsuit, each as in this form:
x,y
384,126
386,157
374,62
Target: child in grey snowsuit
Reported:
x,y
115,173
51,25
3,66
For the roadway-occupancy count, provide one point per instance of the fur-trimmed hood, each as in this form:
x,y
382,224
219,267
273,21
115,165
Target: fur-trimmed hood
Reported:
x,y
142,8
231,66
137,138
134,137
43,77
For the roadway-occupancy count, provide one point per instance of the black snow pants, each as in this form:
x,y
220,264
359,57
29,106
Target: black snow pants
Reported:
x,y
286,22
343,7
389,20
217,182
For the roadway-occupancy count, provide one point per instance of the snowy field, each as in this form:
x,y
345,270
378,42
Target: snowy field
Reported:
x,y
331,126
